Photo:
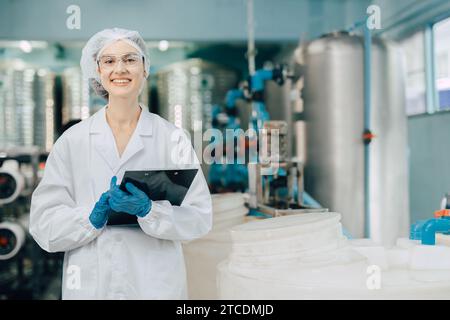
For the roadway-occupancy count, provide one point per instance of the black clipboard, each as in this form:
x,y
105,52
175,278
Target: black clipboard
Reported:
x,y
171,185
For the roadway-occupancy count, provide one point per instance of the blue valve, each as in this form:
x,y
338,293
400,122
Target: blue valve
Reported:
x,y
432,226
416,230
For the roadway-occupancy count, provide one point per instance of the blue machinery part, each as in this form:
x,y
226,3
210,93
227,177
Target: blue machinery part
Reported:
x,y
416,230
425,230
432,226
221,176
232,96
259,78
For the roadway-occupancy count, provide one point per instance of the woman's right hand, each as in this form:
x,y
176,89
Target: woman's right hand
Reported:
x,y
99,214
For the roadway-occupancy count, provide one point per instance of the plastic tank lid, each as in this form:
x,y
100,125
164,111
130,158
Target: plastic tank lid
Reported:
x,y
231,214
282,227
234,200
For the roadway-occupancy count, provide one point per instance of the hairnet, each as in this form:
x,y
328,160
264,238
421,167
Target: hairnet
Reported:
x,y
97,43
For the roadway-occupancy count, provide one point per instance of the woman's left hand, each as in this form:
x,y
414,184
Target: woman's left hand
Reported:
x,y
136,203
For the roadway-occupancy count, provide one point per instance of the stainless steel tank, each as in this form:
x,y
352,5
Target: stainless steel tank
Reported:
x,y
26,105
75,95
188,89
44,113
334,111
17,103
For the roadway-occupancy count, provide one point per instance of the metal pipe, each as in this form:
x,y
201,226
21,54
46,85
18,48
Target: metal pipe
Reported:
x,y
431,93
251,53
367,111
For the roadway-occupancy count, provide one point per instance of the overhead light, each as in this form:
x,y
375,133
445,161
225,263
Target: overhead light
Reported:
x,y
163,45
25,46
7,44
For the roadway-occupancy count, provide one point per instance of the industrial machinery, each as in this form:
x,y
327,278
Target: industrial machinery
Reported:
x,y
188,90
434,230
275,178
75,93
222,176
26,105
19,170
12,238
25,269
279,180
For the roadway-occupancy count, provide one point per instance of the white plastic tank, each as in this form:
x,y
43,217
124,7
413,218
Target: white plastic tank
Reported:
x,y
203,255
306,256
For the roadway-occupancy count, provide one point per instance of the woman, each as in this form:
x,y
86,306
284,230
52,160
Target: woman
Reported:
x,y
69,208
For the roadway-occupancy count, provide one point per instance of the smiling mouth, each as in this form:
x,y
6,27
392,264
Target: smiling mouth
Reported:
x,y
121,81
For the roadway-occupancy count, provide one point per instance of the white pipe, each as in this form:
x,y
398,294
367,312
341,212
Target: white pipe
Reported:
x,y
11,168
19,234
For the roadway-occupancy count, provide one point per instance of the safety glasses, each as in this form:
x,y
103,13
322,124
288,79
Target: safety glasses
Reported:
x,y
129,60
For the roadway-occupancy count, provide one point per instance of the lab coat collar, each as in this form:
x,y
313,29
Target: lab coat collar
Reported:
x,y
144,126
108,151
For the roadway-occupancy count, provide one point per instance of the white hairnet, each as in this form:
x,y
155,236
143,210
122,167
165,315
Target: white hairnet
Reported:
x,y
97,43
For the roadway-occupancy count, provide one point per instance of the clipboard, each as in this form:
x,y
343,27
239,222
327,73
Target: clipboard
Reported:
x,y
170,185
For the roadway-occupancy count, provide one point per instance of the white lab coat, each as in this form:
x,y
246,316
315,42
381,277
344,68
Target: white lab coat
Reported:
x,y
144,262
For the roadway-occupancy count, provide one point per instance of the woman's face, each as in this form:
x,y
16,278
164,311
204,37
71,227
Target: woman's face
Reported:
x,y
121,69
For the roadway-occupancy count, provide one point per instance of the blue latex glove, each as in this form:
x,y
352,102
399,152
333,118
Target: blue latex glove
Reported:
x,y
136,203
99,214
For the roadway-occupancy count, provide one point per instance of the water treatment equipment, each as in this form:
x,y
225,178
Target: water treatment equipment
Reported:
x,y
26,105
187,91
75,95
44,115
334,114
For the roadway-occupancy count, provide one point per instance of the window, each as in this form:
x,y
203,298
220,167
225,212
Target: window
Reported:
x,y
442,63
414,50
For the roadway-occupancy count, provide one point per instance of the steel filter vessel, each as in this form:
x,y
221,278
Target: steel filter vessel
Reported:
x,y
44,113
17,103
75,95
188,89
26,105
334,112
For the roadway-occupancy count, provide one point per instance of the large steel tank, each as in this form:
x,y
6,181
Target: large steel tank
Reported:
x,y
334,112
44,115
26,105
75,95
187,90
